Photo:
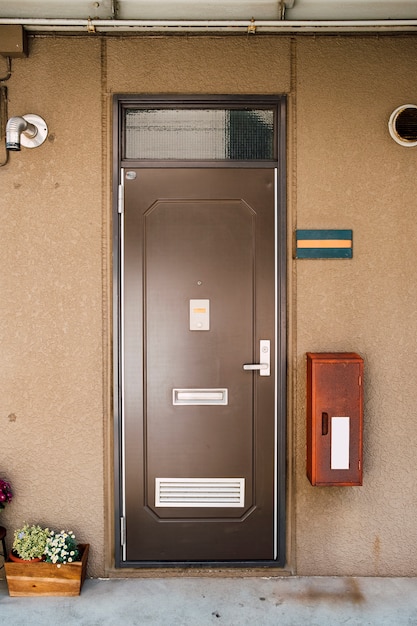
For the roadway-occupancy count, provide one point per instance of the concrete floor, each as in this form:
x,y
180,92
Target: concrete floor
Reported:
x,y
295,601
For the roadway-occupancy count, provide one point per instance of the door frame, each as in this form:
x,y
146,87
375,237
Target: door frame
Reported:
x,y
120,103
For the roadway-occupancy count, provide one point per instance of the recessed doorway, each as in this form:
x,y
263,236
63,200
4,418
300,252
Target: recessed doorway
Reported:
x,y
199,256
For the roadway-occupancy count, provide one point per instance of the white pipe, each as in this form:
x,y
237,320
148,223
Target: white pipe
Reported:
x,y
271,25
14,128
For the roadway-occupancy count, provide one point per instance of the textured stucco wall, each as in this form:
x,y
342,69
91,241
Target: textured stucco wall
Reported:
x,y
351,174
198,65
51,297
344,172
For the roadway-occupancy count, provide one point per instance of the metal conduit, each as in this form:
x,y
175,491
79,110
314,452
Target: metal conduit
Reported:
x,y
97,25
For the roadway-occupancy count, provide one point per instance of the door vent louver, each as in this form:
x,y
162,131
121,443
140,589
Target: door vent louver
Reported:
x,y
199,492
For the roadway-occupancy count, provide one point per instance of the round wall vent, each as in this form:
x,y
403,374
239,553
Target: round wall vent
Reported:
x,y
403,125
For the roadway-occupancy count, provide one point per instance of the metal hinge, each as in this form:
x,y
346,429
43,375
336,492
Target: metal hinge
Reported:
x,y
122,531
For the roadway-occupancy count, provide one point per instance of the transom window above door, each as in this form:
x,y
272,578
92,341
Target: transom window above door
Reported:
x,y
227,134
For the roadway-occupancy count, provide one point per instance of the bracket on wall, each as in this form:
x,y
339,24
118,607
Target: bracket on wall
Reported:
x,y
323,244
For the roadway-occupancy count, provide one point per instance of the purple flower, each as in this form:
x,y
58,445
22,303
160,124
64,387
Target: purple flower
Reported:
x,y
6,493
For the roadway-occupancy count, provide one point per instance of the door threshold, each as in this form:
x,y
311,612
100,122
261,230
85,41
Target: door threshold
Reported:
x,y
268,571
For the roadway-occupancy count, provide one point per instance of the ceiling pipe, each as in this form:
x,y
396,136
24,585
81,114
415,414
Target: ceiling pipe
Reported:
x,y
325,26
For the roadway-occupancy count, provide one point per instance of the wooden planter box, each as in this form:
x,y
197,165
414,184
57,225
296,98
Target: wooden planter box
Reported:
x,y
47,579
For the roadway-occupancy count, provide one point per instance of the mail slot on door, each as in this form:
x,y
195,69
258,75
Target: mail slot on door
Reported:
x,y
334,418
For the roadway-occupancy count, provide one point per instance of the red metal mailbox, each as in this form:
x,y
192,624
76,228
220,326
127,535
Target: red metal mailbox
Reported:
x,y
334,418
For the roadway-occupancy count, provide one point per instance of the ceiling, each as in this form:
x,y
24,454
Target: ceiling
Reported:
x,y
252,15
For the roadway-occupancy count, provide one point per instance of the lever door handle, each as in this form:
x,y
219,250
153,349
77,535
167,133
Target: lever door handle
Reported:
x,y
264,368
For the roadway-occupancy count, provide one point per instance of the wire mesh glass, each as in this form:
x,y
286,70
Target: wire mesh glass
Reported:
x,y
199,134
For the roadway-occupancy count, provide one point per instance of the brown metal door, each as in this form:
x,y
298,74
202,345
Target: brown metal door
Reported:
x,y
198,429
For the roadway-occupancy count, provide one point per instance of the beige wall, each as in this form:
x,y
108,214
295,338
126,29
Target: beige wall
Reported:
x,y
351,174
344,172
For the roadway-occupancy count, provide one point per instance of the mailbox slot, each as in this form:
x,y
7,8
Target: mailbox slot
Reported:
x,y
334,418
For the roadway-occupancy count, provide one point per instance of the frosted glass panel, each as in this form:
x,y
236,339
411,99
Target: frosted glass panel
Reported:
x,y
199,134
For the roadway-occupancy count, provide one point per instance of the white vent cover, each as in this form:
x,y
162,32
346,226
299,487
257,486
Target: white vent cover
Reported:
x,y
199,492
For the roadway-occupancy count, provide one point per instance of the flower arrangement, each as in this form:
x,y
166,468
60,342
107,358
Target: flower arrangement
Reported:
x,y
61,547
61,570
30,541
6,494
35,542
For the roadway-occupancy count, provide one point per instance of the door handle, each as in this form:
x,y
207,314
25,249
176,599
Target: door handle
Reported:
x,y
264,368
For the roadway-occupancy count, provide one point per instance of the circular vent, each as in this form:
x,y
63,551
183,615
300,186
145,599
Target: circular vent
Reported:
x,y
403,125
